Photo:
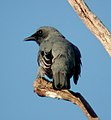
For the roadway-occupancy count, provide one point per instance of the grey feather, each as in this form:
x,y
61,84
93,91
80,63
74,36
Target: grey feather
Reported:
x,y
58,58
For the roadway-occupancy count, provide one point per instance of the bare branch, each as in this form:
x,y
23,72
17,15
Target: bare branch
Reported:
x,y
44,88
93,23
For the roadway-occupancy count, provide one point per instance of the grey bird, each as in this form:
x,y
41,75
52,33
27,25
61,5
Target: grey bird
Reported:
x,y
58,58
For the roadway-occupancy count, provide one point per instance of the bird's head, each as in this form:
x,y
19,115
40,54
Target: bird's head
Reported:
x,y
43,33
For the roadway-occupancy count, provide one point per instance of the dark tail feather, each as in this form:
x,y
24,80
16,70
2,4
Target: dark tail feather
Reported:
x,y
61,81
75,79
77,73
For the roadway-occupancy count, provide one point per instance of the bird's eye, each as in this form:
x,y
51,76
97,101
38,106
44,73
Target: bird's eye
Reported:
x,y
40,33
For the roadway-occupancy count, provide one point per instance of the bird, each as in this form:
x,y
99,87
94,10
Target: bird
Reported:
x,y
58,58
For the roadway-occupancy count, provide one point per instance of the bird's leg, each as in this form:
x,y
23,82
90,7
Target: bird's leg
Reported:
x,y
40,76
40,72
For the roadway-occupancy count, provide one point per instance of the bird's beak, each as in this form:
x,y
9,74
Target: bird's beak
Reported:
x,y
31,38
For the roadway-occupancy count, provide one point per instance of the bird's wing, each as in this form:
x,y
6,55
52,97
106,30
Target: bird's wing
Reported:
x,y
60,67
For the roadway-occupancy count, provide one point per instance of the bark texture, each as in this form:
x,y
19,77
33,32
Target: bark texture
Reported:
x,y
44,88
93,23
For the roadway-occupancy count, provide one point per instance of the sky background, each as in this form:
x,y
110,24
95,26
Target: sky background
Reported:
x,y
18,66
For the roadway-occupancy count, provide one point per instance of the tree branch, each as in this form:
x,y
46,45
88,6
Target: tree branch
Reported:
x,y
44,88
93,23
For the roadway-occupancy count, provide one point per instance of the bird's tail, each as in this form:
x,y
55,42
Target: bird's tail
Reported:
x,y
61,81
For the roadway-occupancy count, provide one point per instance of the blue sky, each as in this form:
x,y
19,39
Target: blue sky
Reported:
x,y
18,66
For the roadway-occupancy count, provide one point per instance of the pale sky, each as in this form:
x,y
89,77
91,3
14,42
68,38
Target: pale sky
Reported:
x,y
18,60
